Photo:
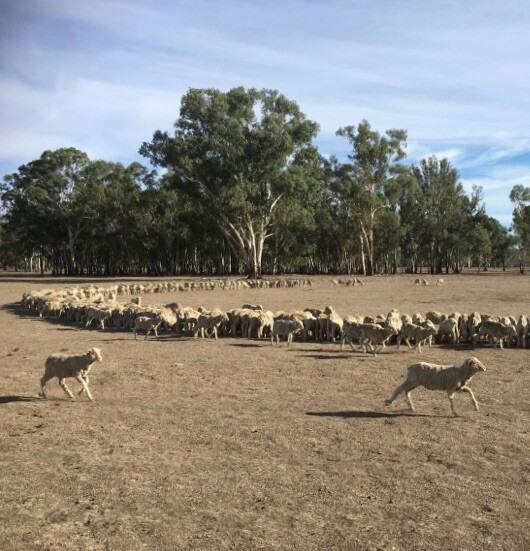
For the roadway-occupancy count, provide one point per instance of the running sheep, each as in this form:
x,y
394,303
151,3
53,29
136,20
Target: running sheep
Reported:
x,y
440,377
63,366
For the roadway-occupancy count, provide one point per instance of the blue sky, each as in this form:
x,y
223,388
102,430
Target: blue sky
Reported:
x,y
103,75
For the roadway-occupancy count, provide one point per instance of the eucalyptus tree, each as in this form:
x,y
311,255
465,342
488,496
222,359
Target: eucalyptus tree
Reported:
x,y
232,151
48,197
373,175
520,197
445,211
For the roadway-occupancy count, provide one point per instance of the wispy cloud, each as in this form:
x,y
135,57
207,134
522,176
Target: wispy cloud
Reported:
x,y
102,75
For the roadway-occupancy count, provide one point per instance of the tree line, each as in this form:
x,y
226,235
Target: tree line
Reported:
x,y
242,189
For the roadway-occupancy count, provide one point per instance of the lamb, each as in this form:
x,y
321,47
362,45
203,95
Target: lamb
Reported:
x,y
495,331
63,366
416,332
147,324
287,327
440,377
374,335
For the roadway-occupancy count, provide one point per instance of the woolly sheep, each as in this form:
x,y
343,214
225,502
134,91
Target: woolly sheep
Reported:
x,y
440,377
416,332
147,324
63,366
285,327
373,335
448,327
495,331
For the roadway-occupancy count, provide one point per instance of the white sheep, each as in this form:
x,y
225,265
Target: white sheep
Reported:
x,y
374,335
287,327
63,366
495,331
440,377
147,324
416,332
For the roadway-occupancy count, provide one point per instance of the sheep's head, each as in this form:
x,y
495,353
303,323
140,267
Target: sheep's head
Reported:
x,y
95,355
511,331
475,365
328,310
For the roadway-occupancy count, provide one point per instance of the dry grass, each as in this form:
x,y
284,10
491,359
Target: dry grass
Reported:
x,y
239,445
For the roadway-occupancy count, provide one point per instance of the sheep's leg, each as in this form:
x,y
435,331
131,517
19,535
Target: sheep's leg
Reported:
x,y
215,333
85,378
85,387
401,388
43,382
470,392
407,340
135,337
451,396
156,332
62,382
409,399
147,333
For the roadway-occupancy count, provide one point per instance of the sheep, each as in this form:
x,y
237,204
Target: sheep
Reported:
x,y
334,324
147,324
374,335
265,323
393,319
351,330
252,307
97,314
448,327
417,319
440,377
463,328
435,317
63,366
287,327
440,282
136,300
495,331
416,332
523,327
210,322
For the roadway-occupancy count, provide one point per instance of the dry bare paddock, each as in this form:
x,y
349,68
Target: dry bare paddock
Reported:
x,y
239,445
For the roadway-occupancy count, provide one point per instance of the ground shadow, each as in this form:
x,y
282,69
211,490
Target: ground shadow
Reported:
x,y
366,414
9,399
246,345
326,357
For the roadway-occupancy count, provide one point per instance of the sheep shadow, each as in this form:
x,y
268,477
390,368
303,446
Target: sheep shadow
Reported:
x,y
246,345
358,414
326,357
9,399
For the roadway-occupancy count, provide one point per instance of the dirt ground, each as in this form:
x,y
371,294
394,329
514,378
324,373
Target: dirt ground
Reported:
x,y
236,444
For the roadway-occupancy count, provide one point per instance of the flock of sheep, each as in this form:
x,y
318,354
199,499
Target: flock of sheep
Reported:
x,y
92,304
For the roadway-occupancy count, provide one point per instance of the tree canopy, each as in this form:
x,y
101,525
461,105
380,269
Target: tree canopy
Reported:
x,y
244,189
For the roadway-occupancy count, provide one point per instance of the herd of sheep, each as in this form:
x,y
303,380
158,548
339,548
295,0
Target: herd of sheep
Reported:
x,y
88,305
92,305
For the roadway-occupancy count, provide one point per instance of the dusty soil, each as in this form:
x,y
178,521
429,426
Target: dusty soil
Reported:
x,y
238,445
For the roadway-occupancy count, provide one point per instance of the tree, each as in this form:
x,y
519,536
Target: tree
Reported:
x,y
373,176
48,197
520,197
232,152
